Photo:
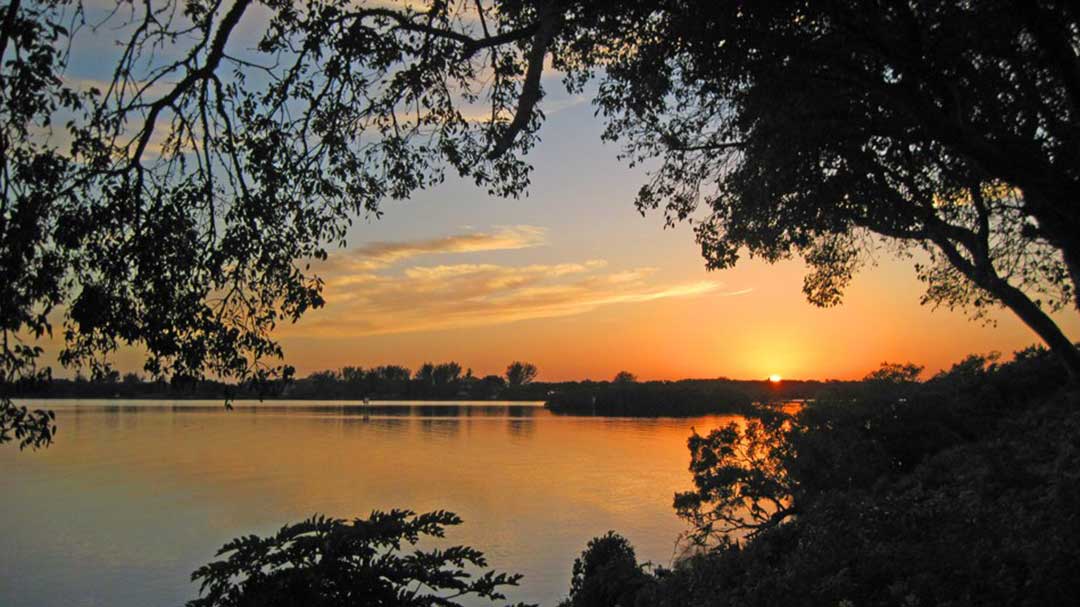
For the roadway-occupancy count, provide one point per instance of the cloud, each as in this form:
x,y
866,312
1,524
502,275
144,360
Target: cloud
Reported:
x,y
378,255
367,296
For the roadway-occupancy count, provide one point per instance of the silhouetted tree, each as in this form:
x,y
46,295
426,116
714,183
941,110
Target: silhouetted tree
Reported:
x,y
607,573
741,480
624,377
895,373
392,379
489,387
326,562
819,128
355,381
446,373
519,373
394,373
325,382
425,374
943,498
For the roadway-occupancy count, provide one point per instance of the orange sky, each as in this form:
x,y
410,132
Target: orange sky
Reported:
x,y
573,279
770,329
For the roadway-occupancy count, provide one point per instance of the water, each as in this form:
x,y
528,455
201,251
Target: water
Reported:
x,y
134,495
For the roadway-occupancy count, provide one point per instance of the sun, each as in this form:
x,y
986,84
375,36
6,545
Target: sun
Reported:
x,y
774,378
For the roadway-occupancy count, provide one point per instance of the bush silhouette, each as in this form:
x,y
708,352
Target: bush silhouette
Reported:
x,y
326,562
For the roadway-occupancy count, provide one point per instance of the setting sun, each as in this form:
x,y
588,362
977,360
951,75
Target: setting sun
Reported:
x,y
774,378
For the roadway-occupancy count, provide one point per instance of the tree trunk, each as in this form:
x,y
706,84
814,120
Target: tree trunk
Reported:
x,y
983,274
1038,321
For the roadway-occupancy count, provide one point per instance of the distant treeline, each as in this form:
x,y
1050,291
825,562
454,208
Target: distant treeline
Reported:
x,y
431,381
679,398
624,396
132,385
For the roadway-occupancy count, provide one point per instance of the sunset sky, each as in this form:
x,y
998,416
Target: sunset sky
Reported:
x,y
575,280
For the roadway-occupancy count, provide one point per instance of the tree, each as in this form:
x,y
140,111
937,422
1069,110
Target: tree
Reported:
x,y
326,562
180,207
742,480
519,373
394,373
355,382
607,573
895,373
489,386
446,373
425,375
818,128
943,498
326,384
392,379
624,377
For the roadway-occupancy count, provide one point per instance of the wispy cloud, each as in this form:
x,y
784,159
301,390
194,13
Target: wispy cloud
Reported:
x,y
367,295
377,255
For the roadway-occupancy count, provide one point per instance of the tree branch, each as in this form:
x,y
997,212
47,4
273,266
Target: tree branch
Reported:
x,y
9,26
213,59
549,21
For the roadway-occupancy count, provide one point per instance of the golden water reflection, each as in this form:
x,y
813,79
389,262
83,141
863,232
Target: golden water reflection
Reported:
x,y
134,495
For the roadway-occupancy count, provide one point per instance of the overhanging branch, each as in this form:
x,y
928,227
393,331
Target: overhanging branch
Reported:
x,y
548,23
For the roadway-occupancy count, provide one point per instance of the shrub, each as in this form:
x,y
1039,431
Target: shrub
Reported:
x,y
326,562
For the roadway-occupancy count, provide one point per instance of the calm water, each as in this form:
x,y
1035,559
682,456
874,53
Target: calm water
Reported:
x,y
134,495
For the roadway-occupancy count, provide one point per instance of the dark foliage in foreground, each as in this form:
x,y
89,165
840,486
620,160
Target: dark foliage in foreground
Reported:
x,y
29,427
962,492
325,562
606,573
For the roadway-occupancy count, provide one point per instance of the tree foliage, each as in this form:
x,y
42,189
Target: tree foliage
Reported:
x,y
324,562
742,483
961,492
179,207
817,129
895,373
520,373
607,573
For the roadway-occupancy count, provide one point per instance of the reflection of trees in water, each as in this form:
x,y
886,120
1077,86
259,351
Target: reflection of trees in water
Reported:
x,y
112,417
435,411
520,428
387,425
435,419
520,411
442,427
75,415
498,411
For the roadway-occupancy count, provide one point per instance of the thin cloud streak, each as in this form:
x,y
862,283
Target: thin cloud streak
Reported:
x,y
377,255
366,296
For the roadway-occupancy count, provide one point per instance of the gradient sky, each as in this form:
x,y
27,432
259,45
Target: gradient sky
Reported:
x,y
575,280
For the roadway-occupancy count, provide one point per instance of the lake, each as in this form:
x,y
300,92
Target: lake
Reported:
x,y
135,495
